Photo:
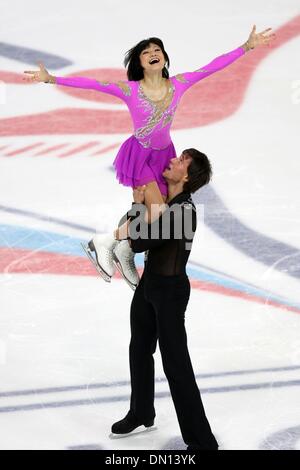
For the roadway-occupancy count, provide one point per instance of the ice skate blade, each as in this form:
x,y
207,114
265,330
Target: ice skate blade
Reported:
x,y
119,268
132,433
103,274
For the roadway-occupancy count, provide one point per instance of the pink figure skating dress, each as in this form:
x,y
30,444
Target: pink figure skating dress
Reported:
x,y
144,156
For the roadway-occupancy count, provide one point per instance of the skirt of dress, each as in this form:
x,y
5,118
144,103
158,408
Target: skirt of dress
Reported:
x,y
136,165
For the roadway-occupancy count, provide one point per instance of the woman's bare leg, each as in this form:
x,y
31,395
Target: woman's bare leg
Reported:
x,y
155,204
154,201
122,232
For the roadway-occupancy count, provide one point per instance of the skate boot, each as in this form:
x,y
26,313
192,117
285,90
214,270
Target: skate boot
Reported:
x,y
123,259
100,252
129,424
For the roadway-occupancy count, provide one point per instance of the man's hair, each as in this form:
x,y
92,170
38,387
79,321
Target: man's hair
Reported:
x,y
199,171
135,71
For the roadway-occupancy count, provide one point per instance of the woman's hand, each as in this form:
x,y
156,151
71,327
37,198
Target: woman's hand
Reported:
x,y
257,39
139,194
41,75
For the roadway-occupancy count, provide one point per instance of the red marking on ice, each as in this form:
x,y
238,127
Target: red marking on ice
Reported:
x,y
79,149
68,121
13,78
105,149
23,149
50,149
217,97
42,262
205,285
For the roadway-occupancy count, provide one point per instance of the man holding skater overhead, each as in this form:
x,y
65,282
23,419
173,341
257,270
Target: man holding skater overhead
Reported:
x,y
159,304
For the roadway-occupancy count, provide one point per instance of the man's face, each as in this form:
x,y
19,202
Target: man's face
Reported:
x,y
177,169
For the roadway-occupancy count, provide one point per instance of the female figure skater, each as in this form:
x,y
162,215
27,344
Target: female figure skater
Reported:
x,y
152,98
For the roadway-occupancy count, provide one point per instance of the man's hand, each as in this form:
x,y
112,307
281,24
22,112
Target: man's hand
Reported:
x,y
139,194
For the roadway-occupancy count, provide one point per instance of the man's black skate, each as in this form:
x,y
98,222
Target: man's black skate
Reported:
x,y
129,424
89,249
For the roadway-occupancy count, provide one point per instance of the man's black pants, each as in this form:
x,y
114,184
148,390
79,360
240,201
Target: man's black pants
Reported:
x,y
158,313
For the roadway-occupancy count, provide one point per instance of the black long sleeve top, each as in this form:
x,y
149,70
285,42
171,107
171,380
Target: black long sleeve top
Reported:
x,y
168,240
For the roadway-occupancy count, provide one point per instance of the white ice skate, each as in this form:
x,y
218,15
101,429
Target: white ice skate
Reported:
x,y
123,259
100,252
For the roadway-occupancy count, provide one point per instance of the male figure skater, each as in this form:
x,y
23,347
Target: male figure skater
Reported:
x,y
159,304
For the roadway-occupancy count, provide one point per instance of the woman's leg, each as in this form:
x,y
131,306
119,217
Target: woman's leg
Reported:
x,y
154,201
155,204
106,246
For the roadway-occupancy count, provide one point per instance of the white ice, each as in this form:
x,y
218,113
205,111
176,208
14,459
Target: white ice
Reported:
x,y
64,338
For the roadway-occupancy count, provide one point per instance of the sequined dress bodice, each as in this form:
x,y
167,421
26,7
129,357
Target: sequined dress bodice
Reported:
x,y
152,119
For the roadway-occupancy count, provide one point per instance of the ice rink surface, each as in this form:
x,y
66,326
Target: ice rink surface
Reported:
x,y
64,331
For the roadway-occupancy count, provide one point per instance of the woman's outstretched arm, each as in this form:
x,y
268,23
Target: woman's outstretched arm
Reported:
x,y
187,79
121,89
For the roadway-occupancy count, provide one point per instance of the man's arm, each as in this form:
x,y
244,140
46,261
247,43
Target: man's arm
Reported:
x,y
169,226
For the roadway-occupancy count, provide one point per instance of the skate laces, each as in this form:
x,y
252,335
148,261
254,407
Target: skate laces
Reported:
x,y
129,259
109,256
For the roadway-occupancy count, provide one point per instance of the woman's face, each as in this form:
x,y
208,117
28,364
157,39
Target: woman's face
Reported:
x,y
152,58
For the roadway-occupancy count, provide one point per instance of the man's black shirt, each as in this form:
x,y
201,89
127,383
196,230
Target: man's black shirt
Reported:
x,y
168,239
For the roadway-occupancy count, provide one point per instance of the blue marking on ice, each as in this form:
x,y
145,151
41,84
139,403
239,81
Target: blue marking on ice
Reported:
x,y
12,236
203,275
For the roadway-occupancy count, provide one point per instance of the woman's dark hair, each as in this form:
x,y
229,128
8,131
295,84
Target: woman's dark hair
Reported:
x,y
199,171
135,71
